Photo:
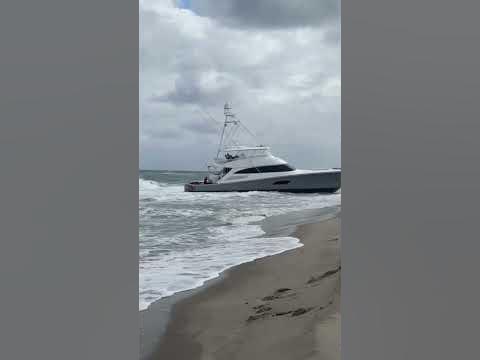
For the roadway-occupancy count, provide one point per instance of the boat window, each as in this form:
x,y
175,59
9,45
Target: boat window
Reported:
x,y
266,169
226,170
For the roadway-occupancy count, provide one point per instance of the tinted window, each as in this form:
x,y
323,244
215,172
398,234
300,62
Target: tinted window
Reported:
x,y
266,169
226,170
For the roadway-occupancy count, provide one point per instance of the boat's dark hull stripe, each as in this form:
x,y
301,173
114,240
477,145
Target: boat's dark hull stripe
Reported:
x,y
327,182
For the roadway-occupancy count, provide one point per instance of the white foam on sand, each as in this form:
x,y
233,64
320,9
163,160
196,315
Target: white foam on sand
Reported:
x,y
187,239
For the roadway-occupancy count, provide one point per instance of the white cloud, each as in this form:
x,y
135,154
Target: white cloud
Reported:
x,y
284,83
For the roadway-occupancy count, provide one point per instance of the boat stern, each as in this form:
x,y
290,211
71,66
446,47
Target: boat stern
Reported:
x,y
197,186
190,187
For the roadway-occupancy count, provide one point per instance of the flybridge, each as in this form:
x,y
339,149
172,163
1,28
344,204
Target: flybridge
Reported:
x,y
238,148
235,152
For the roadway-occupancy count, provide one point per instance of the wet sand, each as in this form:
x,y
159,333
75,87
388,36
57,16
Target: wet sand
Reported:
x,y
284,306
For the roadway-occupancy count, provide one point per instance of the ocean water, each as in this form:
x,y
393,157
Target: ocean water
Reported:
x,y
189,238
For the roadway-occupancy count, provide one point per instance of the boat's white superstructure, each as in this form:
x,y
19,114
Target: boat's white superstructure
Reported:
x,y
248,168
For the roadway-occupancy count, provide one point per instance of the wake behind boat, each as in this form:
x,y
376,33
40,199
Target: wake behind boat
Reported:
x,y
254,168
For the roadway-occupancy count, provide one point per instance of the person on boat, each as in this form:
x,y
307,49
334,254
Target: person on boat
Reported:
x,y
205,180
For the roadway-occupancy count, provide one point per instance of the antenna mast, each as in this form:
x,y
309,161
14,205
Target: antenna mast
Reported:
x,y
229,119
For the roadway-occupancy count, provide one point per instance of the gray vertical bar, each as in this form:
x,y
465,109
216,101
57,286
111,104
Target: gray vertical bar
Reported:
x,y
410,196
69,187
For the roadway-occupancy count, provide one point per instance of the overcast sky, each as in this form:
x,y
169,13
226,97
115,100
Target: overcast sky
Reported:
x,y
276,61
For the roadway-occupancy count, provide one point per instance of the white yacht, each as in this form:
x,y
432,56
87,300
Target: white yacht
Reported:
x,y
254,168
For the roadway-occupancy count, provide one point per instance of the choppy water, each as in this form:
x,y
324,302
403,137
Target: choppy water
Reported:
x,y
189,238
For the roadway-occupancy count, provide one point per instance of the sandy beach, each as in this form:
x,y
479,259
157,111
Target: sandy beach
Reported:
x,y
284,306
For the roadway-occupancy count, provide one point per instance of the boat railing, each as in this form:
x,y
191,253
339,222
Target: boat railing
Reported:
x,y
235,154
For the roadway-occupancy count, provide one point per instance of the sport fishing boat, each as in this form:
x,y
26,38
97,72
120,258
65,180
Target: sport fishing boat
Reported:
x,y
254,168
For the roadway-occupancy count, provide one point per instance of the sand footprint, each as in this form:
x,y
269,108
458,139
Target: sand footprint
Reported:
x,y
279,293
314,279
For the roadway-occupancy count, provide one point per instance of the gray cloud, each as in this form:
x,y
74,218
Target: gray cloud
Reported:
x,y
333,35
190,90
277,14
167,134
159,133
201,126
283,82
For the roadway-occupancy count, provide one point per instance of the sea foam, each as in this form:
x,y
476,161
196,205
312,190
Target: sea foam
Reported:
x,y
189,238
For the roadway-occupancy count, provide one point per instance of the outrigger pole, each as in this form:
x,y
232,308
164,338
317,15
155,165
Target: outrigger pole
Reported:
x,y
231,119
228,114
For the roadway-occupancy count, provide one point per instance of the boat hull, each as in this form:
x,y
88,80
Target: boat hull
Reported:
x,y
315,182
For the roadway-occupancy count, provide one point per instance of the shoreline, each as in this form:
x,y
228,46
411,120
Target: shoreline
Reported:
x,y
226,311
